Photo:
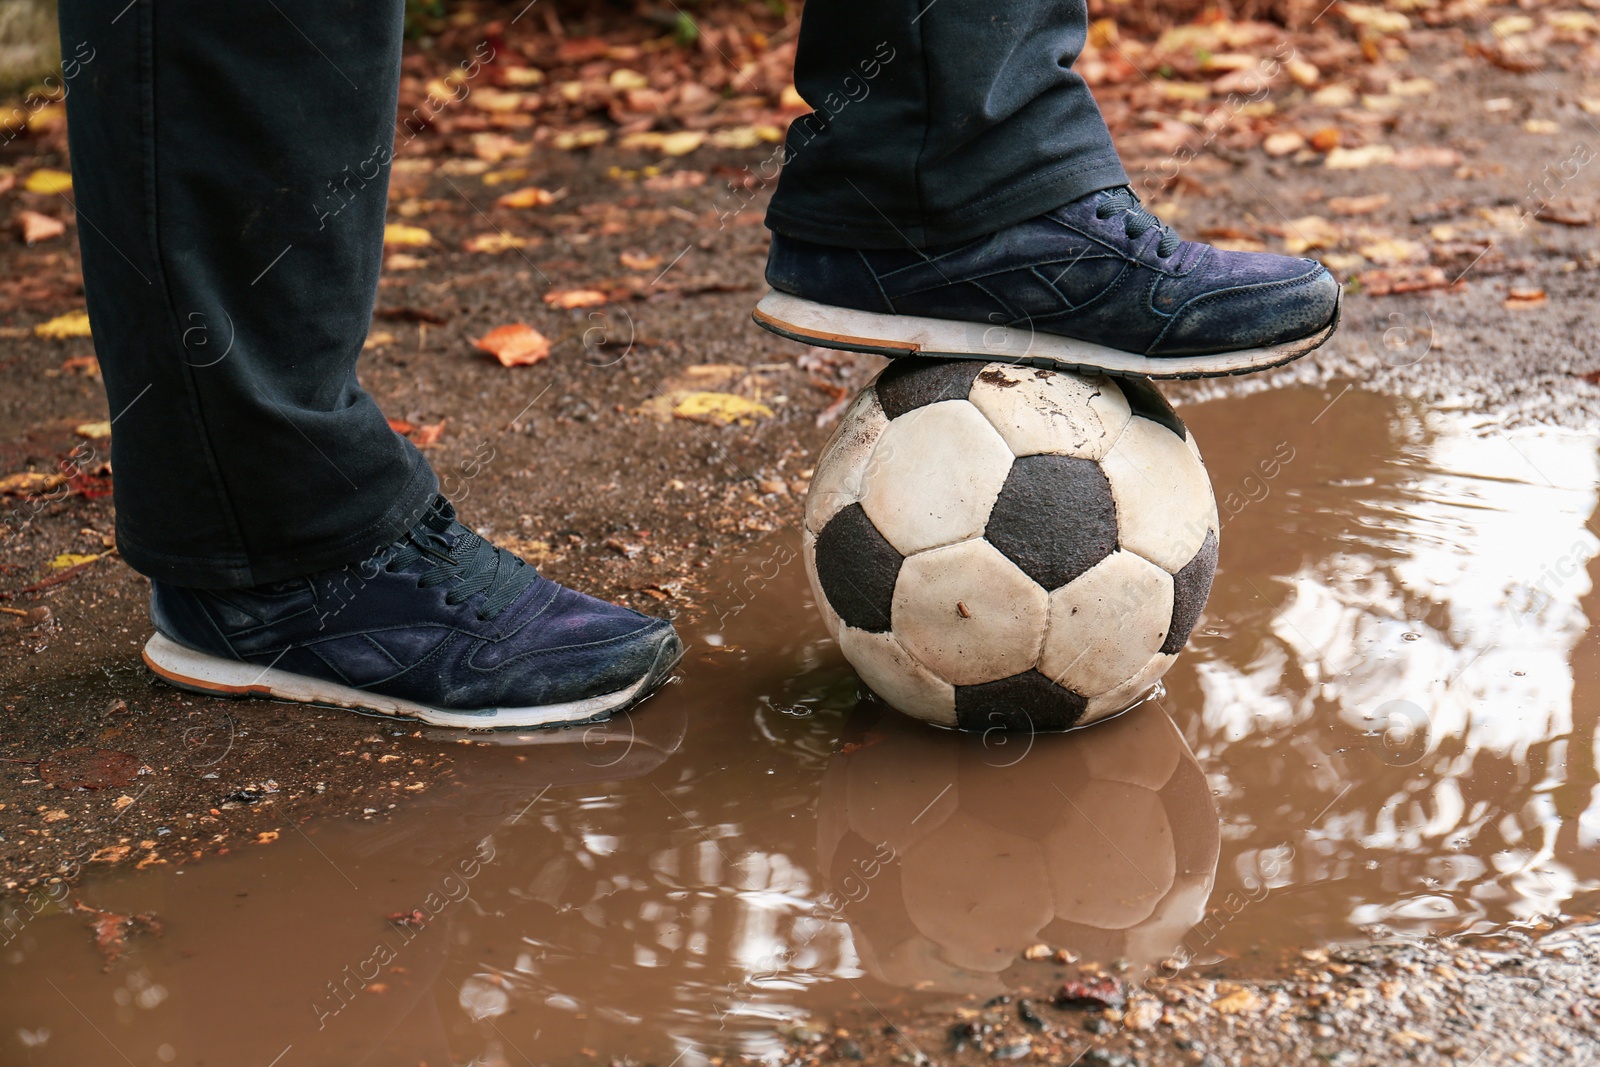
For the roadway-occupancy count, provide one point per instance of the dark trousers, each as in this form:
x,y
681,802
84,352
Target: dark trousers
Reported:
x,y
230,166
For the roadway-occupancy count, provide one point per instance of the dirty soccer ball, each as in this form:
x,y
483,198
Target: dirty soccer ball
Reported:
x,y
1004,546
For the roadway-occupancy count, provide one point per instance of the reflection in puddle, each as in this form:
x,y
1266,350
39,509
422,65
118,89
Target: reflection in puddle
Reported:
x,y
1386,724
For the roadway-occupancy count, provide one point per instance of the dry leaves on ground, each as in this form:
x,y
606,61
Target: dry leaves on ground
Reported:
x,y
515,345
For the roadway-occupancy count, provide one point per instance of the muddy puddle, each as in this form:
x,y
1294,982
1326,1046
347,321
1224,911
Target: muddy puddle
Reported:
x,y
1385,726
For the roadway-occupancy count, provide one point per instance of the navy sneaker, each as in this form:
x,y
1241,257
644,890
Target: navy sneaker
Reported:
x,y
440,626
1100,285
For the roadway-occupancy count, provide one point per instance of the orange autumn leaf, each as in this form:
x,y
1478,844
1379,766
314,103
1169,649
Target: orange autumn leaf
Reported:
x,y
532,196
639,261
401,426
515,345
35,227
428,436
575,298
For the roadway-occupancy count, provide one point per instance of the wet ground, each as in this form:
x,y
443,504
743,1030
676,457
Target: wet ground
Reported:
x,y
1382,733
762,848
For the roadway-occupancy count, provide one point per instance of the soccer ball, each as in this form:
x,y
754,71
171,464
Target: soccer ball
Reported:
x,y
948,860
996,545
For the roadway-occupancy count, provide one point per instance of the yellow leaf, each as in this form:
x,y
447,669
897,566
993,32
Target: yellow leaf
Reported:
x,y
396,233
92,430
494,243
70,559
721,409
27,482
1512,24
572,139
622,79
1184,90
506,176
72,324
45,180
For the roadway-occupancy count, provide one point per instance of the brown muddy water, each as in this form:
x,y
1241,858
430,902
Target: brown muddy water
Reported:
x,y
1384,727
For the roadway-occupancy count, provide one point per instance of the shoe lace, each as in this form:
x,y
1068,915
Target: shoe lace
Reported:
x,y
473,564
1138,219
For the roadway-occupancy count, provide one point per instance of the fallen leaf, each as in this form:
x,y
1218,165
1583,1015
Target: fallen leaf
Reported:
x,y
89,768
505,176
1522,298
495,243
1375,18
531,196
1550,213
29,482
86,365
35,227
676,180
112,930
1395,280
515,345
93,430
1282,144
1542,126
1326,139
1239,1002
575,298
45,180
1393,251
1308,232
494,147
72,324
639,261
71,559
401,426
1417,157
428,436
403,261
569,140
398,234
1359,158
1357,205
377,339
266,837
678,143
719,409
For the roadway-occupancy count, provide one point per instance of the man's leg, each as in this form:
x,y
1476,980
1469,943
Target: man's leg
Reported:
x,y
230,168
938,122
955,193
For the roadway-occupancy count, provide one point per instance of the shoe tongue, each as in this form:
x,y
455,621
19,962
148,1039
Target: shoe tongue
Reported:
x,y
440,517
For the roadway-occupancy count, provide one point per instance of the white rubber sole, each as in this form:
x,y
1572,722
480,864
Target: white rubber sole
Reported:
x,y
201,672
827,326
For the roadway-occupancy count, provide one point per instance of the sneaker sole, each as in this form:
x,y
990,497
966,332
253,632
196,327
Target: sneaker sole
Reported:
x,y
827,326
201,672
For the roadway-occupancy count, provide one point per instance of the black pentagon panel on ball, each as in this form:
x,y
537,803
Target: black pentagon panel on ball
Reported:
x,y
912,382
1055,518
1148,403
1191,586
1026,701
857,568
